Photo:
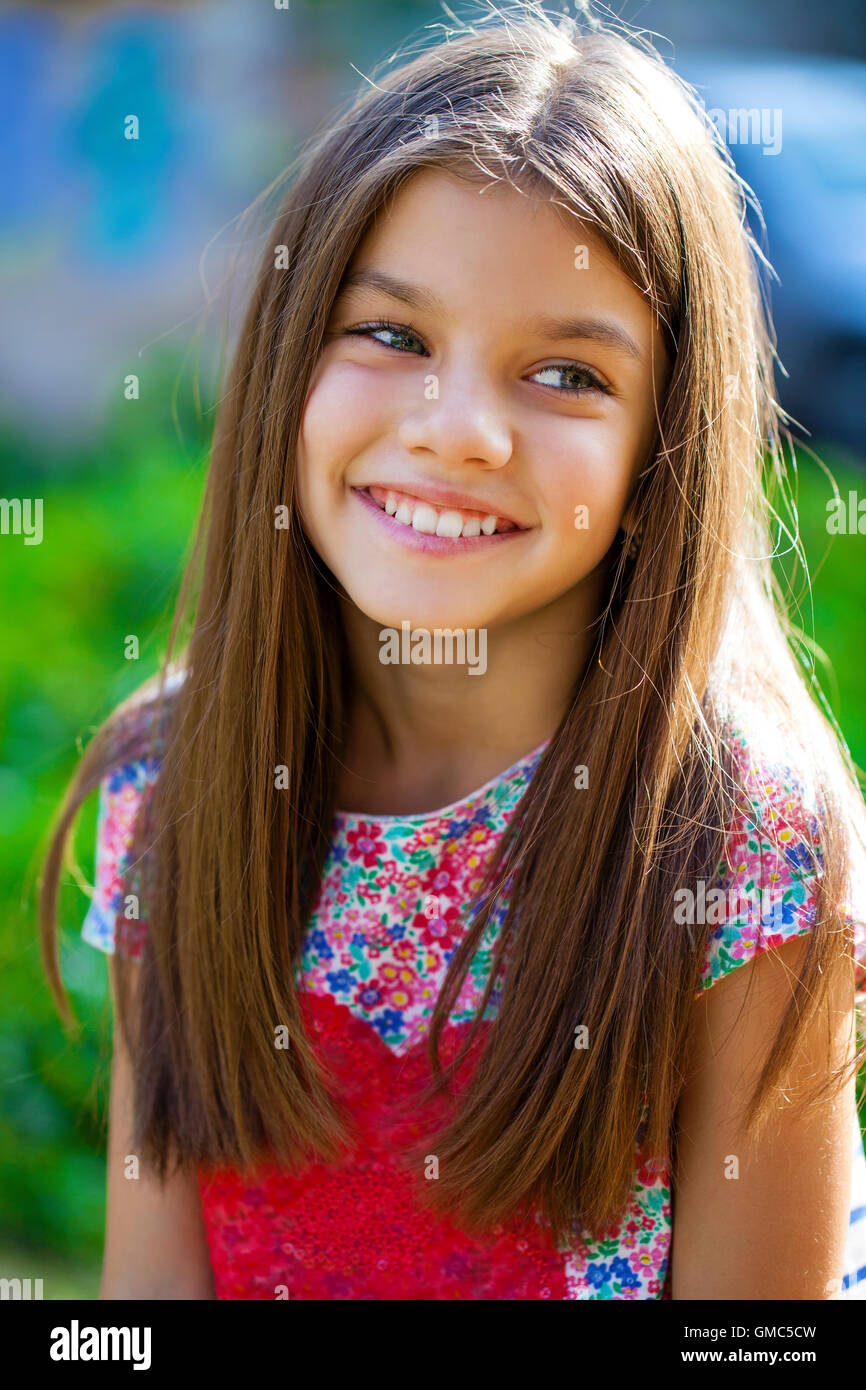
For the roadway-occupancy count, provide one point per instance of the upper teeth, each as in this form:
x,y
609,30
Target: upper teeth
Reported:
x,y
433,520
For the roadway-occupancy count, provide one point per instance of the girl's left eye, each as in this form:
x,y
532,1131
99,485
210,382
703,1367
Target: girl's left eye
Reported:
x,y
583,379
588,380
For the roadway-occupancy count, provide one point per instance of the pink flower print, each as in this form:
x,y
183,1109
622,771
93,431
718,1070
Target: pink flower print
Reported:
x,y
640,1259
399,982
438,882
376,932
369,892
420,840
365,843
440,930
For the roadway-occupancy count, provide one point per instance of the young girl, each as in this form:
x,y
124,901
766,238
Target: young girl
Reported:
x,y
479,878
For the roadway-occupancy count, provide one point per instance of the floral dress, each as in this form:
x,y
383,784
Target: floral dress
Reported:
x,y
389,913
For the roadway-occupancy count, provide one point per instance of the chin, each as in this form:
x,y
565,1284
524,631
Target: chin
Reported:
x,y
424,611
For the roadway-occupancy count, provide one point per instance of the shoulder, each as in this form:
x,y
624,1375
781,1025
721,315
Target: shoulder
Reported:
x,y
769,876
798,1164
115,918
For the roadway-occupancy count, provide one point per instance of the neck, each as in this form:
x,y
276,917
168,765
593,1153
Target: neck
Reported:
x,y
432,732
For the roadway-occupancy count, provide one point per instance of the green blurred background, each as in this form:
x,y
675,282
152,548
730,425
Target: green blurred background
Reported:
x,y
115,265
108,567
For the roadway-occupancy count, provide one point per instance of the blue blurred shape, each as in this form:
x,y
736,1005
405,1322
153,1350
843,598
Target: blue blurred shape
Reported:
x,y
813,196
26,38
131,64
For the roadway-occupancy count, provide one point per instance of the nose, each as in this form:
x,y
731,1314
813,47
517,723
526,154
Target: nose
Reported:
x,y
459,423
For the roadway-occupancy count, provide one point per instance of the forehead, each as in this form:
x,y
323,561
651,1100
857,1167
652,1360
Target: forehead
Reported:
x,y
490,248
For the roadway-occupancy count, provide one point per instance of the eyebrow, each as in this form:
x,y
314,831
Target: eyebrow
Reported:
x,y
606,331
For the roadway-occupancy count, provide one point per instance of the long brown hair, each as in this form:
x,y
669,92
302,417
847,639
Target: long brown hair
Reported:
x,y
591,117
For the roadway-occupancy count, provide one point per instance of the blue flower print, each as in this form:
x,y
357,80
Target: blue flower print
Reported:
x,y
320,944
341,981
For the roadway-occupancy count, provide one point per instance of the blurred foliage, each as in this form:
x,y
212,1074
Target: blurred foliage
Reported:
x,y
117,517
117,521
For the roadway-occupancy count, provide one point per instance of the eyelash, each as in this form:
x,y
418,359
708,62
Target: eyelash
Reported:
x,y
596,382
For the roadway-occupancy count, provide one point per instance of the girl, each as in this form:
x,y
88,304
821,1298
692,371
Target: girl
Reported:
x,y
538,985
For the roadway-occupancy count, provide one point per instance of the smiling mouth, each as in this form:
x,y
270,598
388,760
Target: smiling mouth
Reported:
x,y
432,519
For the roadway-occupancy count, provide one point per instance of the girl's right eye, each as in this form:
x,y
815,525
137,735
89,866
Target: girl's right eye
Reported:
x,y
395,330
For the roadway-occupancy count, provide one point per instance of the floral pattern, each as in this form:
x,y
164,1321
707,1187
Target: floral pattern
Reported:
x,y
390,911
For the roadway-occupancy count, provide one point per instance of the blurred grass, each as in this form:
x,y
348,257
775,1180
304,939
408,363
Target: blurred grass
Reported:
x,y
117,520
116,523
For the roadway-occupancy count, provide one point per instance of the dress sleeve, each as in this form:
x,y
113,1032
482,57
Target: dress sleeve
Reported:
x,y
115,918
770,874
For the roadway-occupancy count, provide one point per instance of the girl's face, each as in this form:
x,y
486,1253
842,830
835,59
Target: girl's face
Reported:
x,y
478,364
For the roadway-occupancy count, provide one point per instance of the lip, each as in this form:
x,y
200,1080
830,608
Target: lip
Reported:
x,y
430,545
446,497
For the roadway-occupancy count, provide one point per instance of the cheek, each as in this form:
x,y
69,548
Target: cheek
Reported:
x,y
343,411
324,439
591,469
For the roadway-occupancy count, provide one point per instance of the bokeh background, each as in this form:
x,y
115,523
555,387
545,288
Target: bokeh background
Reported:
x,y
119,257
